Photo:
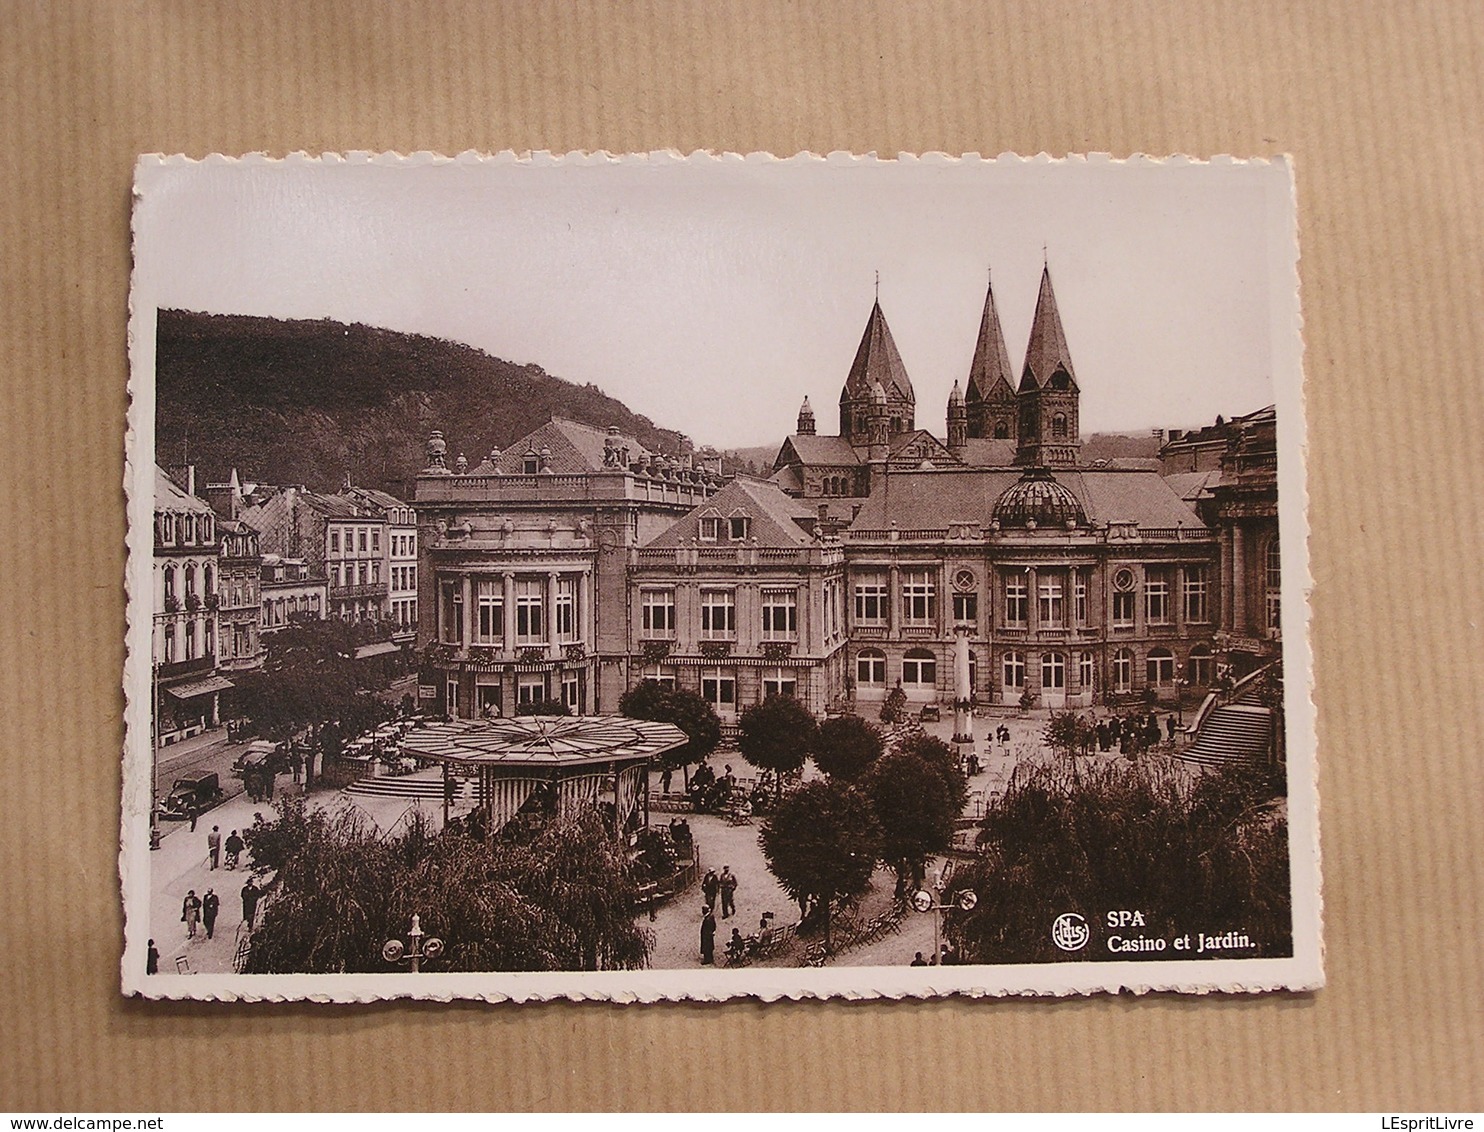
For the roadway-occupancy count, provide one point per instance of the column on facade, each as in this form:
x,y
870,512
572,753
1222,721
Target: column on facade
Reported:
x,y
1177,584
508,608
1033,626
944,599
466,633
893,600
1239,580
551,605
585,608
1223,611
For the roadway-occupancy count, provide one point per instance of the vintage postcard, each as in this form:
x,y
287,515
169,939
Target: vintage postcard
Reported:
x,y
662,577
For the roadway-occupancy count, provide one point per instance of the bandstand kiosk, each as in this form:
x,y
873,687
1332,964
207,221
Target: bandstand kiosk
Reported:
x,y
584,760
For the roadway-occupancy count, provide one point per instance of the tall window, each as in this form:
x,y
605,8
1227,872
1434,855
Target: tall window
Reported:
x,y
1123,598
169,578
572,692
530,689
1202,667
170,643
451,605
1123,670
870,667
1058,425
1079,597
361,540
719,689
1157,597
919,601
489,609
780,615
1014,667
209,629
190,639
1197,588
1052,603
1273,584
1053,672
335,541
780,682
664,677
920,668
1159,668
1015,601
870,600
966,608
566,609
657,612
718,614
1087,670
529,622
376,539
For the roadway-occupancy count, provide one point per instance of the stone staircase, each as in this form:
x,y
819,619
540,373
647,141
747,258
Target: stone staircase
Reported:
x,y
1237,733
419,784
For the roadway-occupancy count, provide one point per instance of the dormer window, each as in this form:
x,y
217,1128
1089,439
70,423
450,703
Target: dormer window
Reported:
x,y
710,528
739,527
530,464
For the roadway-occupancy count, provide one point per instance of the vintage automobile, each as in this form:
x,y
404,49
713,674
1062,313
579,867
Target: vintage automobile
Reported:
x,y
192,795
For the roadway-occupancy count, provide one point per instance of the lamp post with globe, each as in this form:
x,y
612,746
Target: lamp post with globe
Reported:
x,y
414,951
925,901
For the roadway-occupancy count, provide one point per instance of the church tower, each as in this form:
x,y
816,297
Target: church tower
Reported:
x,y
990,401
1048,396
958,422
806,419
877,362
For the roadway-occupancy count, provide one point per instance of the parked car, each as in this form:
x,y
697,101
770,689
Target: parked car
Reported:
x,y
191,796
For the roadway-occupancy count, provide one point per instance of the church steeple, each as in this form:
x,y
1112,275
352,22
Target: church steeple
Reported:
x,y
806,419
1048,396
877,361
958,422
990,400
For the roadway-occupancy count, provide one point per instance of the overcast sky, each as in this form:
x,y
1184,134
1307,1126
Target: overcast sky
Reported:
x,y
712,295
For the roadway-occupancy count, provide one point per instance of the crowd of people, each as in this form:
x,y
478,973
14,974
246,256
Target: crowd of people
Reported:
x,y
1134,733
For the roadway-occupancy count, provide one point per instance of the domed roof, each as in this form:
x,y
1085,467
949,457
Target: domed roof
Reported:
x,y
1037,499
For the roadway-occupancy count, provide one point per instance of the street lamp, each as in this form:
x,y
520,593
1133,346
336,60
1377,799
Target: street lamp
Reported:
x,y
395,951
924,901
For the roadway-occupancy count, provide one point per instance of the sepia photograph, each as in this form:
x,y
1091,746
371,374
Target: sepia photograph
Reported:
x,y
661,577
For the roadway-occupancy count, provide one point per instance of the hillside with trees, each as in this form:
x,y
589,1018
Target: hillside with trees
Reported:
x,y
296,401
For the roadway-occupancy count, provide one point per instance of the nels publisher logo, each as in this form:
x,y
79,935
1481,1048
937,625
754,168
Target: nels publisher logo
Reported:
x,y
1070,932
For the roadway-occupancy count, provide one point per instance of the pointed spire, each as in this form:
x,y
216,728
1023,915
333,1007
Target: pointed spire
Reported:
x,y
991,365
1047,353
806,419
878,360
955,395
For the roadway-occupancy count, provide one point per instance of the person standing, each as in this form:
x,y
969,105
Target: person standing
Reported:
x,y
728,892
708,936
210,904
234,845
214,846
710,886
250,894
190,913
152,959
296,764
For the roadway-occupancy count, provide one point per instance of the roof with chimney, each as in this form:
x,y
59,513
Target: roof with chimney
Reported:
x,y
778,520
930,499
877,360
169,496
990,375
1047,351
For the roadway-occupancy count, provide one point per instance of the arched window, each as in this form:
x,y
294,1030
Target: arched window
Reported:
x,y
1123,670
1273,584
870,668
206,586
920,667
1059,425
1159,668
1014,665
190,581
1053,672
1060,379
169,582
1001,430
1202,667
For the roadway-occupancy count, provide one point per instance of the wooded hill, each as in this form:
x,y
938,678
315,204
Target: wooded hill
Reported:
x,y
303,402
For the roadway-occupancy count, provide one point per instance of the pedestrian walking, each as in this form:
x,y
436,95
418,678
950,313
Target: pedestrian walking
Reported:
x,y
152,959
250,895
210,904
710,886
665,776
728,892
297,765
235,846
708,936
190,913
1170,727
214,846
195,813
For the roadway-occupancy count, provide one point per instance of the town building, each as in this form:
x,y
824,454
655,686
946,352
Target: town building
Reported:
x,y
338,539
184,639
239,569
400,563
289,592
523,571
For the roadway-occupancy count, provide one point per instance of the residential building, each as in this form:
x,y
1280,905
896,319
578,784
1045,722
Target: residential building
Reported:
x,y
400,563
338,539
289,591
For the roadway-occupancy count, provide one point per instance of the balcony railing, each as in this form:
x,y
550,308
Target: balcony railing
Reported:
x,y
372,589
200,665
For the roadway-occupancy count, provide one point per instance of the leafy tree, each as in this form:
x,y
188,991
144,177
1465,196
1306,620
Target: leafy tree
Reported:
x,y
1206,853
564,900
309,675
777,735
822,843
916,803
941,757
1068,732
846,746
686,710
894,707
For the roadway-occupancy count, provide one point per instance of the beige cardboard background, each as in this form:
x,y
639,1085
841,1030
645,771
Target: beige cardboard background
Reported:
x,y
1380,105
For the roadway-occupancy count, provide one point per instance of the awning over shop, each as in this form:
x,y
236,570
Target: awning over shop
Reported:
x,y
193,688
379,648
